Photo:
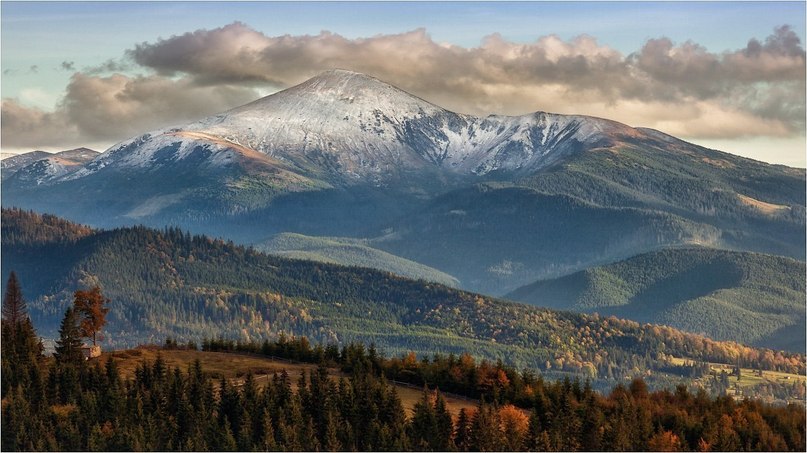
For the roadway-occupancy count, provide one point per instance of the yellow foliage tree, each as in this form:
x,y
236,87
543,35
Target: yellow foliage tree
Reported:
x,y
514,425
664,441
90,305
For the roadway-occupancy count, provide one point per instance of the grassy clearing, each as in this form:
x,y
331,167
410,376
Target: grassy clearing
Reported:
x,y
215,364
235,366
749,377
761,206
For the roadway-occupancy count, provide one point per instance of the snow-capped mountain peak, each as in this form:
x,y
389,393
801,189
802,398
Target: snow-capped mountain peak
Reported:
x,y
346,127
354,91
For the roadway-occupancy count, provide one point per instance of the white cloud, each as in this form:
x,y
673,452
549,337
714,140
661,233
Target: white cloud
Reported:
x,y
683,89
112,108
38,97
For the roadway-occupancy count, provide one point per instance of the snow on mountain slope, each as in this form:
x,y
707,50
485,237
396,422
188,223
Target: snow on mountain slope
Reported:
x,y
45,170
40,166
346,127
368,125
10,165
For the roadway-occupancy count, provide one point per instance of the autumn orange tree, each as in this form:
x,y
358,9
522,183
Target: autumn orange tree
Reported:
x,y
90,305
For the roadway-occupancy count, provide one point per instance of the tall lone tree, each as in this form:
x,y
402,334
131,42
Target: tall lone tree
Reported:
x,y
21,347
90,308
68,347
19,337
14,309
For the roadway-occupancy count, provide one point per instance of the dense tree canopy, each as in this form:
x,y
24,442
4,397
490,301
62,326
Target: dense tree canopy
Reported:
x,y
168,409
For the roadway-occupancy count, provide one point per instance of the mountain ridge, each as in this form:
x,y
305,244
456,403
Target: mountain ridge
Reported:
x,y
747,297
350,252
346,155
367,125
43,166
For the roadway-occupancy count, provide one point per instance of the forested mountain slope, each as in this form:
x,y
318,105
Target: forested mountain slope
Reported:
x,y
350,252
747,297
170,283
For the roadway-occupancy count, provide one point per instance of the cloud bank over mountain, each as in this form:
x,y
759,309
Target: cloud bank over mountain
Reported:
x,y
680,88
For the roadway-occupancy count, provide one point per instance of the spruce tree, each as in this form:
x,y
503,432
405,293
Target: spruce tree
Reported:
x,y
226,440
308,436
423,425
567,427
592,439
534,432
14,308
21,347
485,431
244,438
15,414
331,439
294,421
444,428
267,435
31,347
462,436
36,389
68,347
396,420
288,437
6,373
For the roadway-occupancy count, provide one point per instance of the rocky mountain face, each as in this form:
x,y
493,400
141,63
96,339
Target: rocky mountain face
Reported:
x,y
496,202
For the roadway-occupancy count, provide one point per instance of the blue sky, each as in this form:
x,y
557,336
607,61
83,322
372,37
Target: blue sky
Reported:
x,y
717,25
38,37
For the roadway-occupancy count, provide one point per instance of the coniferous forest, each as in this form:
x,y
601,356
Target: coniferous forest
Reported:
x,y
67,403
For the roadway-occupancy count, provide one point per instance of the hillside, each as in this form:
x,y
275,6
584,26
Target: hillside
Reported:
x,y
235,367
497,237
350,252
171,283
755,206
190,400
746,297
